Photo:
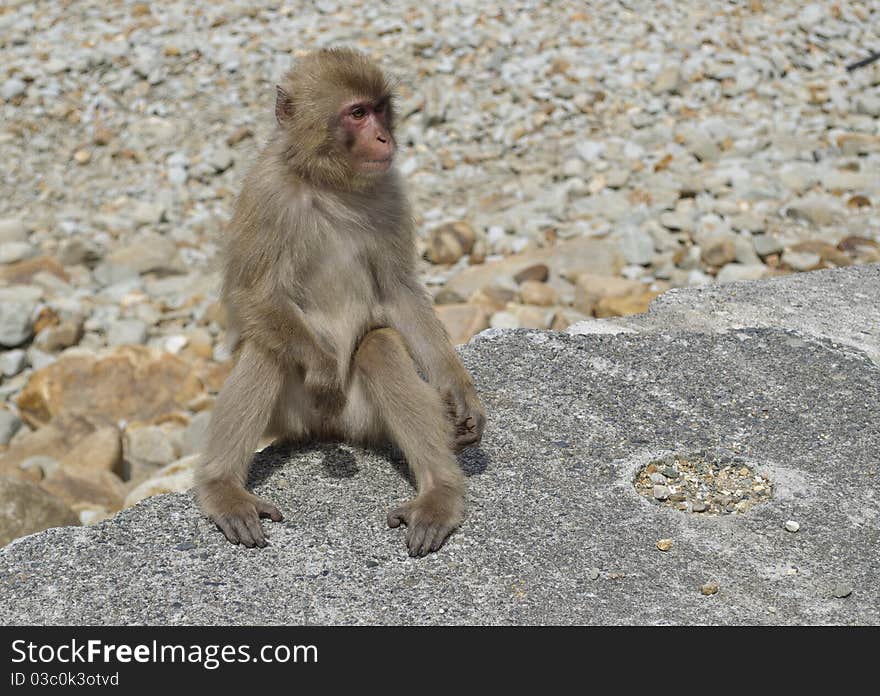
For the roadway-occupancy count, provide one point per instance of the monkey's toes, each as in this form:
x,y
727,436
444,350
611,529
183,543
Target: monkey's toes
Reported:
x,y
245,530
425,537
397,516
241,524
265,509
426,530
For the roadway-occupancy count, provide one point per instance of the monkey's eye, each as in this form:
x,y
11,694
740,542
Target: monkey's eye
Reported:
x,y
358,112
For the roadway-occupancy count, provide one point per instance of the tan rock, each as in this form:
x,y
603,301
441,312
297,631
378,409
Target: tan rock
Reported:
x,y
174,478
203,402
200,344
444,248
24,271
450,241
801,260
530,317
538,271
99,451
46,318
622,306
150,252
216,312
862,249
56,338
492,298
504,320
239,134
825,251
41,465
212,374
858,143
563,287
89,513
53,440
96,487
590,289
565,317
26,508
128,383
718,252
462,321
447,296
147,449
568,259
102,135
478,252
535,293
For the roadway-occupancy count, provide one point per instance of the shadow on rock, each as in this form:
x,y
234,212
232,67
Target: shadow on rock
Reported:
x,y
340,462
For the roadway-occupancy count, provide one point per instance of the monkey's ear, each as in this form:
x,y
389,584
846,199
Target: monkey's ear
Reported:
x,y
283,106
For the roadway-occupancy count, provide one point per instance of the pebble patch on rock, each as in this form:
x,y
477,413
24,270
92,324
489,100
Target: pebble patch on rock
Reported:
x,y
704,484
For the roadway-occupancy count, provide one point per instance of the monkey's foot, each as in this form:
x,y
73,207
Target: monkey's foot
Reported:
x,y
429,518
467,433
467,424
238,513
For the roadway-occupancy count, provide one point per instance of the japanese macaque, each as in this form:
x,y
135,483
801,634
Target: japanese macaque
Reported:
x,y
331,328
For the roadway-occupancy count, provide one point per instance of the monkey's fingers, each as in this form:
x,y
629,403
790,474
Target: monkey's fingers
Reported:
x,y
225,526
424,538
265,509
255,532
242,529
415,537
397,516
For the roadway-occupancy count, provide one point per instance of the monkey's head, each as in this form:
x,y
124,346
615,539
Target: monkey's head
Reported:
x,y
334,111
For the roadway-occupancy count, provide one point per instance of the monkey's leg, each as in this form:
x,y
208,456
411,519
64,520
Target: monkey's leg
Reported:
x,y
414,415
241,414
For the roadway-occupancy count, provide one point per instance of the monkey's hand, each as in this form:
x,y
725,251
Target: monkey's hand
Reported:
x,y
467,415
429,518
236,512
324,386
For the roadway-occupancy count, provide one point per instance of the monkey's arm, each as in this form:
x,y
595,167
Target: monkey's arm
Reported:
x,y
412,314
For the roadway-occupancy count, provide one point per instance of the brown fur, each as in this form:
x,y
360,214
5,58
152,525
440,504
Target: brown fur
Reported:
x,y
329,319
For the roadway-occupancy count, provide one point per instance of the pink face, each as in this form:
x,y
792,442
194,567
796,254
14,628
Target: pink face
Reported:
x,y
367,127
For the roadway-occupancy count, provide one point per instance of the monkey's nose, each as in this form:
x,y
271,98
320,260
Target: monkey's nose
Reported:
x,y
381,139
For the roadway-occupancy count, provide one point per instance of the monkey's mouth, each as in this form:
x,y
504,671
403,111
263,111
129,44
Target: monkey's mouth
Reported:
x,y
377,164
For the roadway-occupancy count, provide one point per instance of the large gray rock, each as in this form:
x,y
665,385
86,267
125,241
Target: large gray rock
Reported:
x,y
782,374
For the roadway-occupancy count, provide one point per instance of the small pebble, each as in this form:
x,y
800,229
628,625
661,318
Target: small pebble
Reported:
x,y
792,526
699,506
709,588
594,573
664,544
842,590
661,492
